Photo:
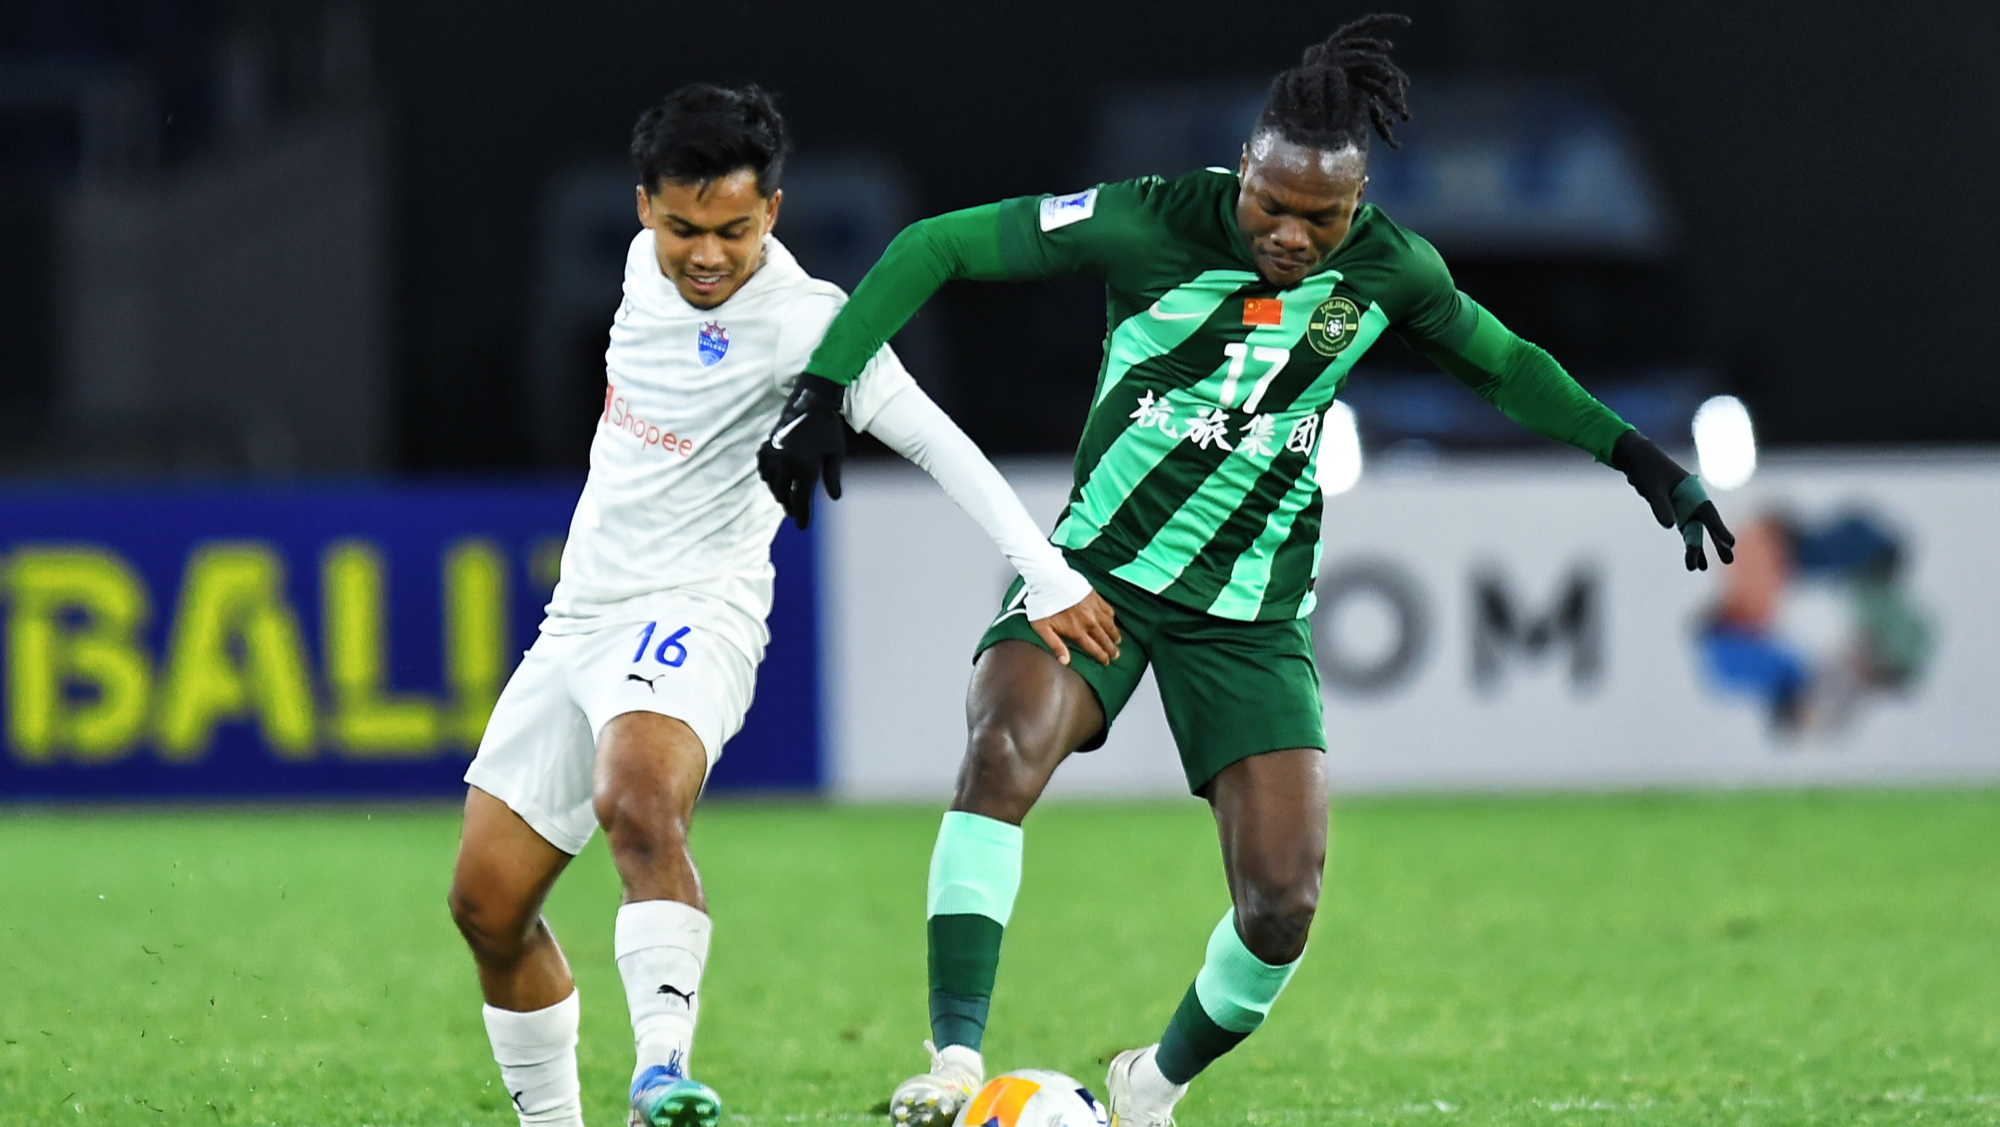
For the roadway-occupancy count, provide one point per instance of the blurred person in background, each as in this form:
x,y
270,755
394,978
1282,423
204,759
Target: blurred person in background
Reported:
x,y
648,655
1746,649
1238,301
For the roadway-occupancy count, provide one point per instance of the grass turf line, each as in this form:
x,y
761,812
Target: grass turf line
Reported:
x,y
1744,959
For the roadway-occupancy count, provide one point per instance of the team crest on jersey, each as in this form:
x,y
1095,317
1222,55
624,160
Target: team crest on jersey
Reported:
x,y
1333,326
711,343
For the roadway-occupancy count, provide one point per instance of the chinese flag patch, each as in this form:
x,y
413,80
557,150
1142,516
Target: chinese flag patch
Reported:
x,y
1263,310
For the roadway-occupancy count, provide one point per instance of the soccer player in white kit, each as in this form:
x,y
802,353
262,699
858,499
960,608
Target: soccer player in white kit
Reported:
x,y
647,657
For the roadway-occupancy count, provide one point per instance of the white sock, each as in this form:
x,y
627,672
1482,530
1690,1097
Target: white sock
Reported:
x,y
536,1052
1150,1087
662,946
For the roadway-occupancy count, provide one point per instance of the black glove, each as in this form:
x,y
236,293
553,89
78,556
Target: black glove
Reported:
x,y
1676,495
807,440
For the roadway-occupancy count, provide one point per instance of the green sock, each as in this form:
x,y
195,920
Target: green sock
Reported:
x,y
975,874
965,953
1226,1003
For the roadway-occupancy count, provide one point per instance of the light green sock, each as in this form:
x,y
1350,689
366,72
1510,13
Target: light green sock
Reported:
x,y
1226,1003
975,874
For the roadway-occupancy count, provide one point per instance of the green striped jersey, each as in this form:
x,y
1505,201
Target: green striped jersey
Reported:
x,y
1194,479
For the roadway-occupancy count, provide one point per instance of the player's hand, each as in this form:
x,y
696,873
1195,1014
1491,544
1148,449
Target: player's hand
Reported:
x,y
1676,495
1090,624
807,441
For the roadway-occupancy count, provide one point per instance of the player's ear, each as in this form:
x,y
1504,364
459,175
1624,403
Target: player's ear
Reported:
x,y
1243,162
771,210
645,205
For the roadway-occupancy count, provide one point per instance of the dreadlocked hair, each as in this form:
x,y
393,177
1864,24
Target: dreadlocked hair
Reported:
x,y
1345,87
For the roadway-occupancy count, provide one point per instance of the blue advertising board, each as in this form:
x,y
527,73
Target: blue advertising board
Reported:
x,y
309,642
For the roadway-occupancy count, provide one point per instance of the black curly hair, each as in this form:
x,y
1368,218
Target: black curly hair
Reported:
x,y
703,132
1346,88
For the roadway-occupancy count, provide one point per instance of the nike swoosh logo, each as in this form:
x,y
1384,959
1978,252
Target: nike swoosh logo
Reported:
x,y
1165,316
778,436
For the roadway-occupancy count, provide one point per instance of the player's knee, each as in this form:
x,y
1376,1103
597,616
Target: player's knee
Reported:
x,y
1274,919
1002,765
641,826
496,932
996,747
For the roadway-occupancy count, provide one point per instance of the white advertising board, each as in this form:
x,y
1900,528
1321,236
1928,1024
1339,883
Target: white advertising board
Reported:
x,y
1500,624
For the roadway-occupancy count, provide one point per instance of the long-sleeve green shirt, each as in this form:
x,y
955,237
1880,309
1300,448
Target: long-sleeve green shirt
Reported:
x,y
1194,479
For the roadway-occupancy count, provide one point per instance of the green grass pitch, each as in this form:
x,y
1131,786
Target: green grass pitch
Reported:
x,y
1821,958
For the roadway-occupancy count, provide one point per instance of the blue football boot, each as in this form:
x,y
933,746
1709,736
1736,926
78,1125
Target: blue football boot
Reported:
x,y
663,1097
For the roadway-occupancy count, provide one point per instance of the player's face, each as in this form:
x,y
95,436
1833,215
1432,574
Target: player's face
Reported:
x,y
1296,204
709,234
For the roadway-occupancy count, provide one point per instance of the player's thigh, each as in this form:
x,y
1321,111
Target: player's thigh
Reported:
x,y
649,772
503,872
1232,690
535,755
1019,691
661,698
1025,713
1042,709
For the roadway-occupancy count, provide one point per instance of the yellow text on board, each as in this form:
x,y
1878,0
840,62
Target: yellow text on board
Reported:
x,y
81,685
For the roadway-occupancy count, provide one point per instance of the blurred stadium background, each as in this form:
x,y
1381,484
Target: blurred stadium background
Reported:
x,y
302,314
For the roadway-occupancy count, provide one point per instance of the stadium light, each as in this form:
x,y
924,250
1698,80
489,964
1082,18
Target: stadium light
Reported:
x,y
1339,464
1725,445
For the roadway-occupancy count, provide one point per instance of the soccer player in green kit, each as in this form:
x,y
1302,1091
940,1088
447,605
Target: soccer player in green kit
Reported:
x,y
1237,303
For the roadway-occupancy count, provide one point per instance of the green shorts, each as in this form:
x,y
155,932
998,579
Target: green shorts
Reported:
x,y
1231,689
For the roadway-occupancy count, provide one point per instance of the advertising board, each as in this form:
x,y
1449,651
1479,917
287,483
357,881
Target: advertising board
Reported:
x,y
1510,624
308,642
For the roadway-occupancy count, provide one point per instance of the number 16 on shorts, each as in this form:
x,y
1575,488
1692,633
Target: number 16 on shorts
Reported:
x,y
670,652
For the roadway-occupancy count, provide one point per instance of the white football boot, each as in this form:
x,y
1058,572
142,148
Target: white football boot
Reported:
x,y
1146,1100
935,1098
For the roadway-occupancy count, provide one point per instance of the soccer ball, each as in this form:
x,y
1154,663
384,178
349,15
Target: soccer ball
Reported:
x,y
1034,1097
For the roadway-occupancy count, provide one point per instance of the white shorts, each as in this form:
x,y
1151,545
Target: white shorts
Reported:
x,y
541,742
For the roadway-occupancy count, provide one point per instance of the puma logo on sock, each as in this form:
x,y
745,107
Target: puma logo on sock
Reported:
x,y
686,996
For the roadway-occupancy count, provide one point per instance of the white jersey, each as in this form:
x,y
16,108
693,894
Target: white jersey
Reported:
x,y
673,506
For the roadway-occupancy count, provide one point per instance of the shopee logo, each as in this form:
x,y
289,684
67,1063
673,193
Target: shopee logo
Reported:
x,y
619,414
